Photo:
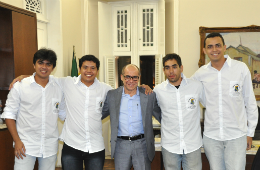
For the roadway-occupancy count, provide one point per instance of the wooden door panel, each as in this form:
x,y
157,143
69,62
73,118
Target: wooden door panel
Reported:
x,y
24,43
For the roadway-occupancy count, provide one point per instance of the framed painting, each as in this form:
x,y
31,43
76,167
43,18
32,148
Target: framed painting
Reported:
x,y
243,44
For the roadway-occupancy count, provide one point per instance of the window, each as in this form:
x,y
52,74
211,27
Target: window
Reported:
x,y
34,6
147,68
121,62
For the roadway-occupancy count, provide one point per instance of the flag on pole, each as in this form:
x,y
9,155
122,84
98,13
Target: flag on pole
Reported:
x,y
74,69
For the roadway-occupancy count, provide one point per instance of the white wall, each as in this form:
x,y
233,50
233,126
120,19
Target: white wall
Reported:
x,y
169,26
72,32
16,3
93,27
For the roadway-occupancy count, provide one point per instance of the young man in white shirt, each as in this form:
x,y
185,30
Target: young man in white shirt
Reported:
x,y
178,98
31,114
231,111
82,130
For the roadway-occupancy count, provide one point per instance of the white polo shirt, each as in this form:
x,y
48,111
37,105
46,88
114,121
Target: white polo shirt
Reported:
x,y
36,110
180,124
231,110
82,129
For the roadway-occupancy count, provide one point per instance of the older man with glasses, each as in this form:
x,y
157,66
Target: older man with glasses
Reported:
x,y
132,139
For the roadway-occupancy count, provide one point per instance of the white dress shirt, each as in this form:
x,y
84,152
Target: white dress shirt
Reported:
x,y
231,110
36,110
82,129
180,124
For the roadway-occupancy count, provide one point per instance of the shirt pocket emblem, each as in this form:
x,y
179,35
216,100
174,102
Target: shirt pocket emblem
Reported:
x,y
235,88
55,106
191,101
99,104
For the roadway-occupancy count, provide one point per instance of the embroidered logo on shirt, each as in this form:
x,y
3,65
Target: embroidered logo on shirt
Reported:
x,y
191,103
236,87
236,90
100,103
56,107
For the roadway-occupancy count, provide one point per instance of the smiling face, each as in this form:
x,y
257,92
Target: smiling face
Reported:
x,y
43,69
88,72
130,85
215,49
173,72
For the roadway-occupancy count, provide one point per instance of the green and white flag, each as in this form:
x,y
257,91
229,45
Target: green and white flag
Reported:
x,y
74,68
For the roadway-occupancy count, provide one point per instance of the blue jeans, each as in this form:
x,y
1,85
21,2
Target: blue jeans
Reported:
x,y
27,163
226,155
190,161
72,159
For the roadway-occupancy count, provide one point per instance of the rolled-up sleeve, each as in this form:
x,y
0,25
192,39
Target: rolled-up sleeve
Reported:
x,y
12,103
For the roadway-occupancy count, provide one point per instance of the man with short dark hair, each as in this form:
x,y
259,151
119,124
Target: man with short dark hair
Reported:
x,y
130,110
231,111
178,98
82,130
31,113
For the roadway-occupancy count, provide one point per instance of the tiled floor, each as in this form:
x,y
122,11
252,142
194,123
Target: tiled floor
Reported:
x,y
109,165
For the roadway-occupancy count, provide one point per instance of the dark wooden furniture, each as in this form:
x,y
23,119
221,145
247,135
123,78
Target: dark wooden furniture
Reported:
x,y
18,43
6,150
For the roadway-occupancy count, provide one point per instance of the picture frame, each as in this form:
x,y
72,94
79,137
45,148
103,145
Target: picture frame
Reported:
x,y
249,52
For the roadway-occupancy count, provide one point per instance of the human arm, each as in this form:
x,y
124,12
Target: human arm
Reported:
x,y
19,148
59,81
62,109
156,109
105,109
202,97
249,142
17,79
10,115
250,103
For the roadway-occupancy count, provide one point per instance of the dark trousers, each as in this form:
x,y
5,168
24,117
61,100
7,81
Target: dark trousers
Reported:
x,y
72,159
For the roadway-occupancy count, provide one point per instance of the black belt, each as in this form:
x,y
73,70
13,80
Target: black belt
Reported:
x,y
131,138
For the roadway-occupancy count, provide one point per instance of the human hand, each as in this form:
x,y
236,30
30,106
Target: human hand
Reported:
x,y
249,143
148,90
17,79
19,149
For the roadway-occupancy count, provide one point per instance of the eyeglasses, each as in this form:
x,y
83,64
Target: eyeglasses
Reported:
x,y
128,78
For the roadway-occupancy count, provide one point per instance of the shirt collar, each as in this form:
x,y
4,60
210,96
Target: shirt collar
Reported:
x,y
78,81
183,81
123,92
228,61
32,79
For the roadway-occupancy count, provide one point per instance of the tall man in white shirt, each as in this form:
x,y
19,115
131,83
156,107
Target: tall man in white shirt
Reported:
x,y
31,113
178,98
231,111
